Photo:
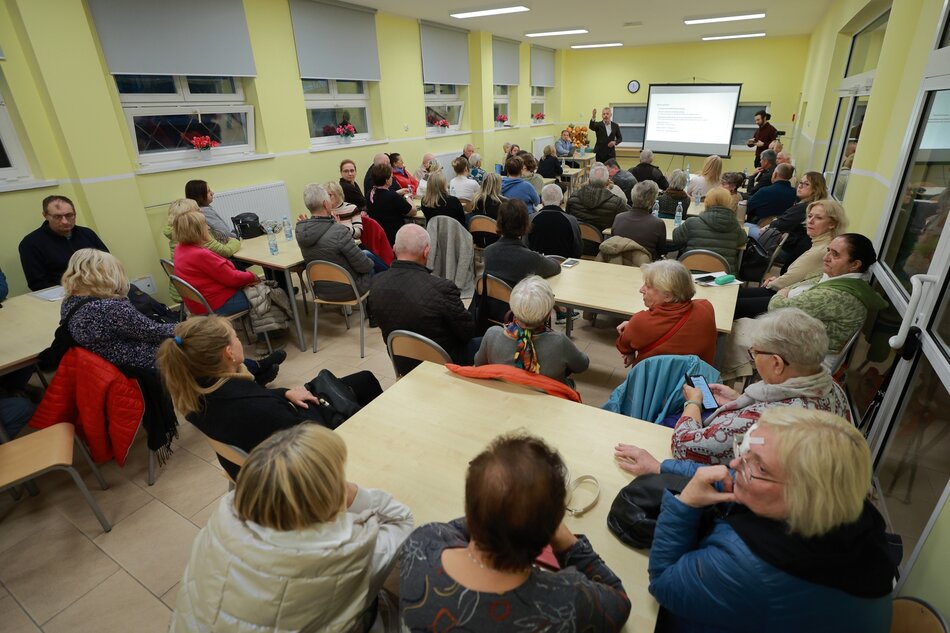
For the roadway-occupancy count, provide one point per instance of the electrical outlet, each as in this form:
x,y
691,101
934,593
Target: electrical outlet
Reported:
x,y
146,284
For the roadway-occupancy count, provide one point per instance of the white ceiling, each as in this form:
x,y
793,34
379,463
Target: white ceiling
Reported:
x,y
662,20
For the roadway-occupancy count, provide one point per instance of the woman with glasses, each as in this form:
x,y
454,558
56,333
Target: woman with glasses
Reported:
x,y
795,544
811,188
787,349
351,189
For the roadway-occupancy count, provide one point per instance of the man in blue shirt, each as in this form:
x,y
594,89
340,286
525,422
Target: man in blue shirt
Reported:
x,y
773,199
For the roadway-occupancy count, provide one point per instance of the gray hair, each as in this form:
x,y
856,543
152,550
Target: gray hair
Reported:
x,y
532,301
612,162
474,160
784,171
314,197
671,276
411,241
678,179
646,156
599,175
768,155
643,194
551,195
800,339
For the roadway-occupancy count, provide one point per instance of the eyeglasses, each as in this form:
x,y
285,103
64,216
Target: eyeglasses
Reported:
x,y
753,353
802,183
68,217
744,467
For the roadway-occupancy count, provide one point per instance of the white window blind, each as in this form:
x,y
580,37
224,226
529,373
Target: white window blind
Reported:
x,y
174,37
335,41
505,62
542,67
444,54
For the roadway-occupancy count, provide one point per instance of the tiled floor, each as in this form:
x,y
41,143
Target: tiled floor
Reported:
x,y
60,573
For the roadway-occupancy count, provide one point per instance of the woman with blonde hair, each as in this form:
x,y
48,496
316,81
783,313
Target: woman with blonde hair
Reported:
x,y
203,370
795,544
342,211
225,249
437,200
295,546
708,178
811,188
489,197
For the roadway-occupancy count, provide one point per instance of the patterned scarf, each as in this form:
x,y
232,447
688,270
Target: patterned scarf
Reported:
x,y
525,355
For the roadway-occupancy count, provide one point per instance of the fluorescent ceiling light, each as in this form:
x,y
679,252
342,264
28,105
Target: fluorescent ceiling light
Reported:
x,y
487,12
609,45
740,36
550,33
725,18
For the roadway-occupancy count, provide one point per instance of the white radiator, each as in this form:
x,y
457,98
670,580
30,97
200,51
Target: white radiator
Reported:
x,y
538,145
445,160
269,202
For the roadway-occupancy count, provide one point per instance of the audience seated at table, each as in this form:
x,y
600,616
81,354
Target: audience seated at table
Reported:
x,y
530,174
513,150
549,166
386,206
476,172
527,341
423,168
787,347
645,170
434,166
437,200
478,571
489,197
554,232
16,408
707,179
673,323
509,258
638,223
731,181
200,191
564,146
516,188
368,183
45,253
345,213
675,193
794,545
763,173
620,178
409,297
811,188
351,189
774,199
594,203
224,249
715,229
401,175
462,186
311,556
203,369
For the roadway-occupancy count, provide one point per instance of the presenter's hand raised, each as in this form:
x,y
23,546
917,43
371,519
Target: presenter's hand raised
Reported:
x,y
593,113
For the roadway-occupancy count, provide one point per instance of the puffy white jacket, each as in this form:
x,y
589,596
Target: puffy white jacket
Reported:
x,y
245,578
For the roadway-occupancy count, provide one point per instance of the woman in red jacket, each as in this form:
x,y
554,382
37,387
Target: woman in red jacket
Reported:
x,y
401,175
213,276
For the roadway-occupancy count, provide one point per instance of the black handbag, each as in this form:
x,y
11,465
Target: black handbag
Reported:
x,y
247,225
633,514
49,358
338,401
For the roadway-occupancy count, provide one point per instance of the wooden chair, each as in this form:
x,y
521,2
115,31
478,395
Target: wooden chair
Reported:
x,y
484,232
591,237
230,452
320,270
703,261
29,456
406,344
467,205
913,615
773,257
496,289
187,291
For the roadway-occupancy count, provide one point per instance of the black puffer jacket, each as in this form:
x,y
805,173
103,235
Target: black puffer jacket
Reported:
x,y
715,229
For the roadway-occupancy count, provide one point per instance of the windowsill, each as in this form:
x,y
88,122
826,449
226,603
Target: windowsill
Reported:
x,y
431,134
25,184
329,147
196,163
508,127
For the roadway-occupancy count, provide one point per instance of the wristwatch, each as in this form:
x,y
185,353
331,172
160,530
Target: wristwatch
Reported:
x,y
698,403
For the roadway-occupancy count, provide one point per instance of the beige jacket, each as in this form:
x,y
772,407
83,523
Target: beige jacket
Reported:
x,y
245,578
807,265
270,308
623,251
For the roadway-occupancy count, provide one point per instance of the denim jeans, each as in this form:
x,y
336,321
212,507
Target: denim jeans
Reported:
x,y
237,303
14,414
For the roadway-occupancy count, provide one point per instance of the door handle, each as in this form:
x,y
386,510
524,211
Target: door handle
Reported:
x,y
910,316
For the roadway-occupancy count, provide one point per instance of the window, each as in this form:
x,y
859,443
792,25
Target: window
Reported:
x,y
745,126
443,102
866,47
835,146
13,165
632,120
165,112
332,102
537,104
502,105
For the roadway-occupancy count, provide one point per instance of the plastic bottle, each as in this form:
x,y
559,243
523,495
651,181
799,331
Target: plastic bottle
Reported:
x,y
272,242
288,229
678,218
687,173
699,200
656,209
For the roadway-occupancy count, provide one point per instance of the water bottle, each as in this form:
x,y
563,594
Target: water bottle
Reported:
x,y
656,209
678,218
687,173
272,242
699,200
288,229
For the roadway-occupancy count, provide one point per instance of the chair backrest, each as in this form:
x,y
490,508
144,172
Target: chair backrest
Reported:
x,y
591,237
773,256
764,222
495,288
34,453
321,270
703,261
168,267
913,615
230,452
833,362
467,205
406,344
187,291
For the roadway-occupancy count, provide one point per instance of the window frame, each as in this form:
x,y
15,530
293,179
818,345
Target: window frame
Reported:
x,y
19,169
759,105
498,100
334,100
448,99
183,94
539,99
643,106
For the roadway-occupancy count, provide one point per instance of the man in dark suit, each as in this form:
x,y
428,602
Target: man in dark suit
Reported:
x,y
608,135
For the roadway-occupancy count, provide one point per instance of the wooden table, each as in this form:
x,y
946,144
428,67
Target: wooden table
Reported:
x,y
27,325
586,160
416,440
288,257
572,175
614,289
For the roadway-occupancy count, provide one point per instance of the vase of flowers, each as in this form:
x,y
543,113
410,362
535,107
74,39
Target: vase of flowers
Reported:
x,y
539,117
441,126
345,133
203,144
500,120
578,137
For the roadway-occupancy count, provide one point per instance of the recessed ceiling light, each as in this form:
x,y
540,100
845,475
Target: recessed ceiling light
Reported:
x,y
740,36
550,33
608,45
487,12
725,18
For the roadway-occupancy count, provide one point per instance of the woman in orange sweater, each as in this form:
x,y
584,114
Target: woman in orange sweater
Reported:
x,y
673,323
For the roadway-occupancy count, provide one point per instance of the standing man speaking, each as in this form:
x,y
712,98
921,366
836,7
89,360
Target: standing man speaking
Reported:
x,y
765,134
608,135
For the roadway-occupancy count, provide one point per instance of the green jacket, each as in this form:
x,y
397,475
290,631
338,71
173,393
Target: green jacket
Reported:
x,y
841,304
715,229
224,250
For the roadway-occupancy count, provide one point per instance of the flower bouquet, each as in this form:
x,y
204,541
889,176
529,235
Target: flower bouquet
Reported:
x,y
441,125
500,120
345,132
539,117
203,144
578,136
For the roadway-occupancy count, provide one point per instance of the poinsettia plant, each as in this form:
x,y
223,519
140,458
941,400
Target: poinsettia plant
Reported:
x,y
202,143
502,118
346,130
442,123
539,116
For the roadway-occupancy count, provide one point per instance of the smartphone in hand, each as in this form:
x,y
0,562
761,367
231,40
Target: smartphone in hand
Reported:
x,y
709,401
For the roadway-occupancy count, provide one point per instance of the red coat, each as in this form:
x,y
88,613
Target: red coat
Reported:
x,y
405,180
374,238
515,376
212,275
91,393
696,336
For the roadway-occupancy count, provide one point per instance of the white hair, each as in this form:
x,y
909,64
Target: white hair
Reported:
x,y
643,194
314,197
646,156
599,175
474,160
800,339
551,195
532,301
678,179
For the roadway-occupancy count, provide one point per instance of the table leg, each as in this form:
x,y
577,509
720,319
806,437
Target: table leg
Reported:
x,y
293,306
569,326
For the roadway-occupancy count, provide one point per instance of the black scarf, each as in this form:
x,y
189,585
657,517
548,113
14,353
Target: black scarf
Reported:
x,y
852,558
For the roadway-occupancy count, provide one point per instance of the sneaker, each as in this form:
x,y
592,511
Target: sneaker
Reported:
x,y
562,316
269,366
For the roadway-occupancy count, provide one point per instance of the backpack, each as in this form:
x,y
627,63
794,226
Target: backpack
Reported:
x,y
150,307
757,254
247,225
